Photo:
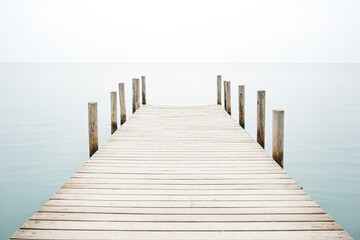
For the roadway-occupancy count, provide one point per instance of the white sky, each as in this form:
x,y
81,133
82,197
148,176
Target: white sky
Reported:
x,y
180,31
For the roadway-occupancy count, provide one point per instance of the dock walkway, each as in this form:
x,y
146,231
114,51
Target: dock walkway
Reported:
x,y
180,173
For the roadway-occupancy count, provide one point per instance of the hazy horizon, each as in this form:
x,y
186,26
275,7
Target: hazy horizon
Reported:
x,y
158,31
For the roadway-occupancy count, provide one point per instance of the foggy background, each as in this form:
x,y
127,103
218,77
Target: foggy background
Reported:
x,y
179,31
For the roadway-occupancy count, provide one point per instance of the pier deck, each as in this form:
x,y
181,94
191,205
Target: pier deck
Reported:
x,y
180,173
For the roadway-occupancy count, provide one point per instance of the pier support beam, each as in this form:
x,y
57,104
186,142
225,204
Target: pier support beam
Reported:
x,y
135,94
122,103
261,118
241,89
219,89
93,127
113,104
278,137
228,97
143,90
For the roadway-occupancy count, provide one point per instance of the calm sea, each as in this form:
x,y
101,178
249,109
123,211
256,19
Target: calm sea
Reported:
x,y
43,124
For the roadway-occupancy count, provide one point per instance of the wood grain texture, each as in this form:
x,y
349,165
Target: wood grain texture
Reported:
x,y
260,133
135,94
93,127
225,93
143,90
218,79
278,137
241,93
113,111
170,173
122,103
228,97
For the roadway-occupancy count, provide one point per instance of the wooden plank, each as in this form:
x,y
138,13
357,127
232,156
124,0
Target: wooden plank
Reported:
x,y
181,211
179,187
185,181
181,204
78,196
180,226
181,177
181,192
183,235
182,218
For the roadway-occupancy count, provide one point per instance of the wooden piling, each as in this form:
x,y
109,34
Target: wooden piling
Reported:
x,y
228,97
219,89
93,127
143,90
122,103
278,137
225,92
135,94
241,89
113,104
261,118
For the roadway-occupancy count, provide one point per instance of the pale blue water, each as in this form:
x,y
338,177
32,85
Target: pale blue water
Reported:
x,y
43,124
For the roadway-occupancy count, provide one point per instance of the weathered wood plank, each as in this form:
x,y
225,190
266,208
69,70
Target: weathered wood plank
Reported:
x,y
180,204
77,196
182,218
181,211
180,226
183,235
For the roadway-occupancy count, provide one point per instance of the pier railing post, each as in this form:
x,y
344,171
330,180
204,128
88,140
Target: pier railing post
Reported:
x,y
113,103
122,103
241,89
228,97
143,90
261,118
135,94
225,93
278,137
93,127
219,89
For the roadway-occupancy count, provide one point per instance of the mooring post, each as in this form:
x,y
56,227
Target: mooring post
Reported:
x,y
219,89
143,90
113,104
241,89
93,127
228,97
137,83
261,118
278,137
225,92
135,94
122,103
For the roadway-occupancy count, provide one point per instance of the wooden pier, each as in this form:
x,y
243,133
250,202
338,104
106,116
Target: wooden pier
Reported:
x,y
184,173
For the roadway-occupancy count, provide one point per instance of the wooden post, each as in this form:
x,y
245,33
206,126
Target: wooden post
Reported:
x,y
122,103
225,92
228,97
113,104
93,127
278,137
261,118
241,89
143,90
219,89
135,94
